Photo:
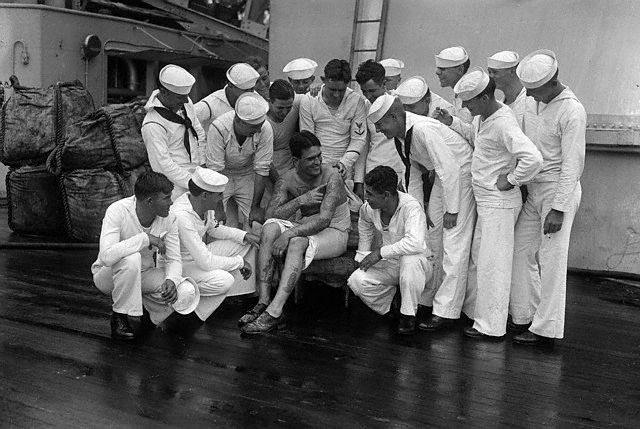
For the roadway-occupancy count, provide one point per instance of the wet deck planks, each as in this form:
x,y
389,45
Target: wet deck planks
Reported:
x,y
330,367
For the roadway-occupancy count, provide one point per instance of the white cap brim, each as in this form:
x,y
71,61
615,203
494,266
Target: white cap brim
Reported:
x,y
188,296
532,80
468,86
380,107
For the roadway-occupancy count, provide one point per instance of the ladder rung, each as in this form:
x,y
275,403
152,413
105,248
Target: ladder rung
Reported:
x,y
367,21
365,50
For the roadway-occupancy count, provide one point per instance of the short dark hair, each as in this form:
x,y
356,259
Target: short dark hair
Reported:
x,y
194,189
280,89
301,141
256,62
150,183
382,179
338,70
370,70
489,90
466,64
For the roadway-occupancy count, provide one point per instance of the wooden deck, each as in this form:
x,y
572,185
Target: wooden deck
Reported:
x,y
330,367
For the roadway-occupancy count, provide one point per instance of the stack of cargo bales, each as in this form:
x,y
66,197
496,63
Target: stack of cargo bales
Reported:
x,y
33,123
98,164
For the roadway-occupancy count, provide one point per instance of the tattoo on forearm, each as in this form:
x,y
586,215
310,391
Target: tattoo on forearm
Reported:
x,y
279,207
334,195
292,280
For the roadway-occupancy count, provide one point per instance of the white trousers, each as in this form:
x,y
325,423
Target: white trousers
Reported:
x,y
130,288
216,285
538,292
451,248
240,190
377,286
490,269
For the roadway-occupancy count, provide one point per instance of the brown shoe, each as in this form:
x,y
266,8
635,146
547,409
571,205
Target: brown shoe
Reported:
x,y
263,324
252,314
434,323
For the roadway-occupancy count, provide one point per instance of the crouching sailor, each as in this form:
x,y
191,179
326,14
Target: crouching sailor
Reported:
x,y
139,258
218,258
403,259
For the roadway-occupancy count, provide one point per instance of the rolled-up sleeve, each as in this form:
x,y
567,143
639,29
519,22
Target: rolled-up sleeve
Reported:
x,y
155,140
573,127
264,151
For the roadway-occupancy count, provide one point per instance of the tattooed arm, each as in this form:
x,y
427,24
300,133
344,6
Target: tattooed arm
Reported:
x,y
334,196
279,207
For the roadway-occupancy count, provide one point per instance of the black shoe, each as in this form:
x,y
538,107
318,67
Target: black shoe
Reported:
x,y
252,314
434,323
120,328
424,312
528,338
263,324
517,328
472,332
406,325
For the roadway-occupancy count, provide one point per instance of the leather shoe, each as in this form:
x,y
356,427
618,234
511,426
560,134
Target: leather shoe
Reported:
x,y
252,314
472,332
434,323
516,328
528,338
406,325
263,324
120,328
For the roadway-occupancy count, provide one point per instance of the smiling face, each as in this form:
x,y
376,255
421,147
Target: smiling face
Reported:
x,y
310,162
279,109
448,76
301,86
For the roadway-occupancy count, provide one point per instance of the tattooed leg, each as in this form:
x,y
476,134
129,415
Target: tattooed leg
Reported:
x,y
265,261
291,272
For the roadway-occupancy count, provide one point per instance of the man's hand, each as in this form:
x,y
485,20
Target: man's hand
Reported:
x,y
281,244
313,197
370,260
358,189
314,89
252,239
503,184
221,215
342,170
169,292
429,223
449,220
158,243
246,270
256,215
553,221
443,116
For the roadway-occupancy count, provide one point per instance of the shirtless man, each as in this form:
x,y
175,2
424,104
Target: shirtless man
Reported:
x,y
317,193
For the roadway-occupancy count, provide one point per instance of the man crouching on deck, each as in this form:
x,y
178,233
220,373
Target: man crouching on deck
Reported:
x,y
133,230
318,193
403,259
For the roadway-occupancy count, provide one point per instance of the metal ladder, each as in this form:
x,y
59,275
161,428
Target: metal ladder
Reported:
x,y
369,21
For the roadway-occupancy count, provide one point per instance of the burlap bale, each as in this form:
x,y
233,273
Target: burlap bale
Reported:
x,y
87,194
34,120
108,138
34,202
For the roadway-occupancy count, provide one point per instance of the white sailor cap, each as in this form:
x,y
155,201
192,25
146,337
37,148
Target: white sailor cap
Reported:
x,y
242,76
300,68
412,90
451,57
176,79
188,296
503,60
392,67
380,107
537,68
252,108
471,84
209,180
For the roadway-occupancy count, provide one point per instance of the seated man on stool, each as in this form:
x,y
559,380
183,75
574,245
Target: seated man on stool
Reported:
x,y
218,258
317,193
134,229
403,259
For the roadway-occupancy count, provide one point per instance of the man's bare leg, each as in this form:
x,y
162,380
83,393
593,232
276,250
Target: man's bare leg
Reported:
x,y
291,273
264,273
